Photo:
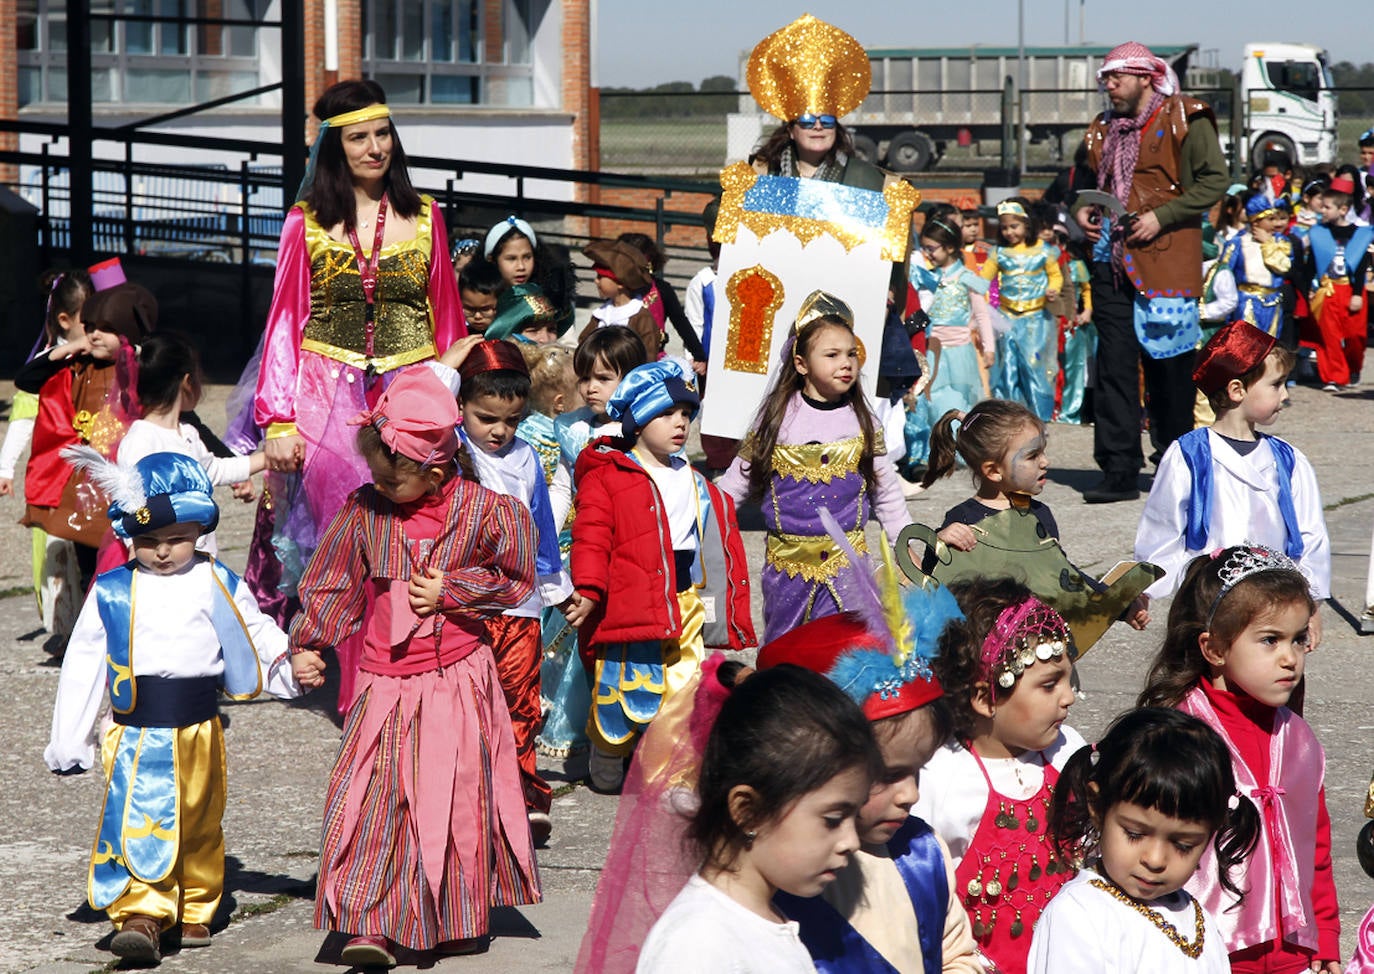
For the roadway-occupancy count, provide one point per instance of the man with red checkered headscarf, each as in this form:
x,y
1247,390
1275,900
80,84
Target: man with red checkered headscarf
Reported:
x,y
1156,151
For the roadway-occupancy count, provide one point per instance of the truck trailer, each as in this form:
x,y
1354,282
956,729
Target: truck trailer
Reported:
x,y
923,100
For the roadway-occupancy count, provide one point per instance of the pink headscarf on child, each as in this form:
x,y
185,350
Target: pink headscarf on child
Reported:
x,y
417,417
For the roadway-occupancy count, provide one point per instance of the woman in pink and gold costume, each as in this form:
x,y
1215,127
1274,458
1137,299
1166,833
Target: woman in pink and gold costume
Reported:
x,y
363,289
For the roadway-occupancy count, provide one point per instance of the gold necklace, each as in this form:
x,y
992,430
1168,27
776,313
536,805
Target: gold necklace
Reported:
x,y
1192,950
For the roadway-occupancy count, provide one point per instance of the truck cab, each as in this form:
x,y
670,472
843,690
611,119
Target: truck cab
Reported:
x,y
1290,106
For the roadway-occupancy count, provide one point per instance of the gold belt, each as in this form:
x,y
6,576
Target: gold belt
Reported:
x,y
812,557
1022,307
359,360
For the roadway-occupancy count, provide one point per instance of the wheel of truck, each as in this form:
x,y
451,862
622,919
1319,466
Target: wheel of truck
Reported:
x,y
866,149
1272,142
910,152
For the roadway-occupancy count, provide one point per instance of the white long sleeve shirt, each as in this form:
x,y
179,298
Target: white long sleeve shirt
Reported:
x,y
173,637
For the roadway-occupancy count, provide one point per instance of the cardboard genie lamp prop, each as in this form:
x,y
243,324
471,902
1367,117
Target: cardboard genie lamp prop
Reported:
x,y
1013,542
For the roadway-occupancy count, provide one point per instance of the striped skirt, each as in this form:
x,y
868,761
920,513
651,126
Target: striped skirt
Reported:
x,y
424,822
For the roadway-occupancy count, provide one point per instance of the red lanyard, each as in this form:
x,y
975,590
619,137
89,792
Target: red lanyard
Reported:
x,y
367,269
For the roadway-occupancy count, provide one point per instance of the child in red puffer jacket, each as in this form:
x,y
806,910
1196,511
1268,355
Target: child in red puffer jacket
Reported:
x,y
657,563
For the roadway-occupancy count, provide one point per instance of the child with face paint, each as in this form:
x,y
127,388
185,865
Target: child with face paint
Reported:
x,y
1003,444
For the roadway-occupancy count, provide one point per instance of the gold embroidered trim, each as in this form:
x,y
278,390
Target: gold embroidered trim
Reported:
x,y
736,180
755,295
807,556
819,463
360,361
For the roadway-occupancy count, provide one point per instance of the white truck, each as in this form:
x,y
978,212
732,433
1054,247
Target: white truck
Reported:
x,y
923,100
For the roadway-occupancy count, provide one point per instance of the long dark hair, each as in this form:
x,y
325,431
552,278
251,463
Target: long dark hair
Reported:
x,y
66,292
1157,758
771,150
331,192
1179,663
774,408
164,359
783,732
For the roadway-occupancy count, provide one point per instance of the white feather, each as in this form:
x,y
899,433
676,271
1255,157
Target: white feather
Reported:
x,y
123,485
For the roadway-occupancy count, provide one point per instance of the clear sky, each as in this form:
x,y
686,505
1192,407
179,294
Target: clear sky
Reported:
x,y
648,42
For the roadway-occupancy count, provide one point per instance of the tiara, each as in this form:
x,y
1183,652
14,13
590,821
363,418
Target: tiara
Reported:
x,y
1024,634
1242,562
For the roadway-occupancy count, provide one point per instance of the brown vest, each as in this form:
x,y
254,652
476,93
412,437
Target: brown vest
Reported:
x,y
1171,264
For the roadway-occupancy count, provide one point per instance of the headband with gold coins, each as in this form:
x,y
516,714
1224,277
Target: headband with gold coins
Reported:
x,y
368,113
808,67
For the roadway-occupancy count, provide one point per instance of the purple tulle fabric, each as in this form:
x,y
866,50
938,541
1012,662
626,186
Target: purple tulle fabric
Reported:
x,y
647,863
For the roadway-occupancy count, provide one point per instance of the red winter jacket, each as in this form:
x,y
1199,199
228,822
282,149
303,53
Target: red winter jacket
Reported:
x,y
622,556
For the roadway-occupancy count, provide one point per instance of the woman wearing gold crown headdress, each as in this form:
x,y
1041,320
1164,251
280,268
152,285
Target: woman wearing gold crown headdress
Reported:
x,y
809,75
363,288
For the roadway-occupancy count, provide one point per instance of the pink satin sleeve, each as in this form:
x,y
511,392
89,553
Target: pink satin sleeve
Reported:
x,y
446,310
274,401
982,320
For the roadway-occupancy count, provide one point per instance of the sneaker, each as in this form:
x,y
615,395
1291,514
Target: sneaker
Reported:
x,y
1111,490
195,935
138,940
911,490
541,827
1332,387
1367,622
368,952
606,771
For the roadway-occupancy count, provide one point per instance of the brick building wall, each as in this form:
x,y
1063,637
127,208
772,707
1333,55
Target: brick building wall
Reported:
x,y
9,83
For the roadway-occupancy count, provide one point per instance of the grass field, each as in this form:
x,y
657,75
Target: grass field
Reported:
x,y
696,146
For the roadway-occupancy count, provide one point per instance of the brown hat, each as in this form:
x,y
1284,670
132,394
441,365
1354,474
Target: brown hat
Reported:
x,y
625,264
126,309
1233,351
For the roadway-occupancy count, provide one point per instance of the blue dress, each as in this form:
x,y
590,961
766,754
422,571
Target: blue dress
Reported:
x,y
564,681
957,383
1024,372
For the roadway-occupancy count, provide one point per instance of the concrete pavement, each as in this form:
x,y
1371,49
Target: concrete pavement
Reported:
x,y
280,754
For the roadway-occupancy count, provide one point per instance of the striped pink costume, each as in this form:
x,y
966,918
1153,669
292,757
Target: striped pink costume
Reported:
x,y
424,824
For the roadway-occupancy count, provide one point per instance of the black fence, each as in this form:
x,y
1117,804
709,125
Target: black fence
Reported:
x,y
214,228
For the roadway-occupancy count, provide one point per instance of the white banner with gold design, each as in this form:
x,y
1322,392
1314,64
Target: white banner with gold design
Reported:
x,y
781,239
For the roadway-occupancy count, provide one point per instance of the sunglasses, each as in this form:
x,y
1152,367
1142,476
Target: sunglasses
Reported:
x,y
808,121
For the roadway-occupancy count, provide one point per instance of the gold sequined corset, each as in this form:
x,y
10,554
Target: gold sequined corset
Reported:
x,y
403,332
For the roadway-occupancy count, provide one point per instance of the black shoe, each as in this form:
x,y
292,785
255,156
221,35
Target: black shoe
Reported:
x,y
1111,490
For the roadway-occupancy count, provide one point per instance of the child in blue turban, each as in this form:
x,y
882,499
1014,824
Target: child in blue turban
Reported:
x,y
164,634
657,563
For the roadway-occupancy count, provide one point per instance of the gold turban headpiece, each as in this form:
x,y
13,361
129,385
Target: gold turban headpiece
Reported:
x,y
808,67
820,304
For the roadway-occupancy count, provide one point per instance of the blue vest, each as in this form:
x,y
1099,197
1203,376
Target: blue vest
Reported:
x,y
1323,246
837,948
1197,454
140,828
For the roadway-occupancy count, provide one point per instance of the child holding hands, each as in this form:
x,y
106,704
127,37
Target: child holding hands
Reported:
x,y
419,559
165,633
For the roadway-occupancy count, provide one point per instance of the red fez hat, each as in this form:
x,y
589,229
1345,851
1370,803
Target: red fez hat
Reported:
x,y
1342,184
834,644
1233,351
493,355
